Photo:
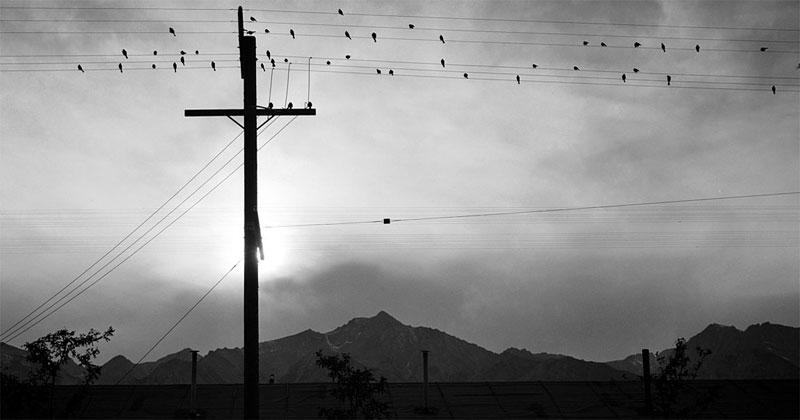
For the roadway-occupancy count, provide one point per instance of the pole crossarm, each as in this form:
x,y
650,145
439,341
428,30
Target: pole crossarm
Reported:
x,y
240,112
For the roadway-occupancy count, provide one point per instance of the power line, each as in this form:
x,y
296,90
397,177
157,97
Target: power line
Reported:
x,y
117,245
214,286
562,209
25,327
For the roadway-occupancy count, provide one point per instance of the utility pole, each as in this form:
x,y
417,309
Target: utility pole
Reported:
x,y
252,230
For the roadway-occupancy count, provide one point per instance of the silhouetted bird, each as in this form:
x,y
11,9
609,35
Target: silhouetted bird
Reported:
x,y
309,105
410,26
155,52
81,68
270,105
764,49
773,89
183,61
269,56
603,44
183,52
374,37
517,79
250,32
624,77
125,53
391,72
340,12
466,76
285,60
534,65
272,61
378,70
291,32
347,34
252,19
669,80
120,67
172,31
575,68
697,47
262,67
214,66
663,47
347,57
328,62
442,63
196,52
585,43
635,70
441,38
175,67
266,30
289,106
636,45
154,66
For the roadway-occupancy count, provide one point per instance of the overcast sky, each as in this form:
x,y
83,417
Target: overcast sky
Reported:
x,y
85,157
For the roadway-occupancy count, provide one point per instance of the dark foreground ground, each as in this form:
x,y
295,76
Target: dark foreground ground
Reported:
x,y
479,400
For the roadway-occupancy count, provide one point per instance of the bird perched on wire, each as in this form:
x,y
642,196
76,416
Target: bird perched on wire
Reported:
x,y
214,66
155,52
328,62
697,47
175,67
663,47
252,19
669,80
410,26
285,60
269,56
575,68
340,12
534,65
196,52
290,106
183,61
442,61
391,72
441,38
172,31
153,66
517,79
183,52
585,43
635,70
378,70
347,34
374,37
125,53
270,105
624,77
764,49
466,76
262,67
603,44
250,32
120,67
291,32
347,56
636,45
266,30
81,68
272,61
773,89
309,105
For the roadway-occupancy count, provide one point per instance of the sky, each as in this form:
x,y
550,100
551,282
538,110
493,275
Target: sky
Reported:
x,y
86,158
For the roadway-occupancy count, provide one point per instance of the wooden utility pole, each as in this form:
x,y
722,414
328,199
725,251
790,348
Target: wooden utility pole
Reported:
x,y
252,233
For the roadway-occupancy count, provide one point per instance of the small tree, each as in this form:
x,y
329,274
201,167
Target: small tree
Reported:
x,y
356,389
674,372
51,352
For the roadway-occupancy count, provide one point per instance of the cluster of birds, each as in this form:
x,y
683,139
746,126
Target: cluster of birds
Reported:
x,y
374,36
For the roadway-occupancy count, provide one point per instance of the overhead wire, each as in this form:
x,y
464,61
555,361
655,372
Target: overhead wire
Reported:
x,y
45,314
175,325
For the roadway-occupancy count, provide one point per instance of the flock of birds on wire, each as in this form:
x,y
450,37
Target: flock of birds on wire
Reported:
x,y
374,35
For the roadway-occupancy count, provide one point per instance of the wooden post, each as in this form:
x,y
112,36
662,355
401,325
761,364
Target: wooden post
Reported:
x,y
648,399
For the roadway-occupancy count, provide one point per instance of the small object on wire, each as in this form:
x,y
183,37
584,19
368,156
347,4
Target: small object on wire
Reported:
x,y
697,47
624,78
378,70
183,52
172,31
669,80
374,37
347,56
391,72
585,43
387,221
125,53
773,89
663,47
289,106
636,45
183,61
252,19
328,62
269,56
442,61
347,34
534,65
308,105
575,68
410,26
441,38
764,49
266,30
291,32
635,70
175,67
262,67
120,67
340,12
154,66
214,66
518,80
81,68
603,44
466,76
155,52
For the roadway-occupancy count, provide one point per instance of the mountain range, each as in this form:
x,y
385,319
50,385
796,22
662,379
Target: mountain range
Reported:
x,y
392,349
